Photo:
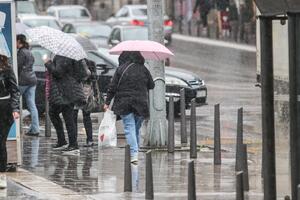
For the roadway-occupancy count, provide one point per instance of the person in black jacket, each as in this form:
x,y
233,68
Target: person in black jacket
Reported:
x,y
27,82
129,88
9,109
204,8
66,91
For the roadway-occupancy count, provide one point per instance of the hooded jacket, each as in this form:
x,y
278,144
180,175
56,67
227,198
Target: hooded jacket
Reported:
x,y
9,89
130,86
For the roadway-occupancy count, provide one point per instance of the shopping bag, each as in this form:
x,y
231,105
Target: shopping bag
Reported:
x,y
107,134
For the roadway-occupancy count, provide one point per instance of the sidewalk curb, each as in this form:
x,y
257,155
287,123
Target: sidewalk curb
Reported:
x,y
216,43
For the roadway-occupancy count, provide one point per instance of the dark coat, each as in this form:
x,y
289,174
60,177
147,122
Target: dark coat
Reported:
x,y
9,87
131,92
26,74
65,88
202,5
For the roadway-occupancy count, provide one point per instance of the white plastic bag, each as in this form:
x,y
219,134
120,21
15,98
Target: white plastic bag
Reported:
x,y
107,134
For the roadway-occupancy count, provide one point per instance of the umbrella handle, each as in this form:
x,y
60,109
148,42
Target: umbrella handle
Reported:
x,y
159,79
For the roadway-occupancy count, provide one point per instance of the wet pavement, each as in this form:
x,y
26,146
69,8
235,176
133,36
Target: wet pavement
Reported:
x,y
98,174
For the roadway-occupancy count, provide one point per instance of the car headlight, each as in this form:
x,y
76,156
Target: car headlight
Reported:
x,y
203,83
175,81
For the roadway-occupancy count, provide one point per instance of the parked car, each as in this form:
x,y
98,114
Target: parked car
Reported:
x,y
69,13
26,8
136,15
176,79
33,21
123,33
97,32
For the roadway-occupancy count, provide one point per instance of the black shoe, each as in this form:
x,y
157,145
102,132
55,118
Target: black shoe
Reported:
x,y
89,144
71,151
59,146
11,168
32,134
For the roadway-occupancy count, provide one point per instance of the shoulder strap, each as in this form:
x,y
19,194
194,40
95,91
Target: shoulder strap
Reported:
x,y
128,66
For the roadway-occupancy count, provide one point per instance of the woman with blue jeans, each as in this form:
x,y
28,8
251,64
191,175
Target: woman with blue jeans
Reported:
x,y
130,89
27,82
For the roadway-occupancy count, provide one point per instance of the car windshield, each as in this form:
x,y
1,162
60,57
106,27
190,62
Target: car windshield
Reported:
x,y
73,13
135,34
42,22
112,58
92,30
38,53
139,12
26,7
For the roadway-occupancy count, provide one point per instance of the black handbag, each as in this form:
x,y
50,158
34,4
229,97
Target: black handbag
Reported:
x,y
95,102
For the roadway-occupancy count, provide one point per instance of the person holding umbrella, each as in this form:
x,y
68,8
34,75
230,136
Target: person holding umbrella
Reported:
x,y
66,72
9,109
129,88
131,84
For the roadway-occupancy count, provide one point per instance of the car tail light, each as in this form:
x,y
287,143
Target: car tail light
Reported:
x,y
136,22
168,23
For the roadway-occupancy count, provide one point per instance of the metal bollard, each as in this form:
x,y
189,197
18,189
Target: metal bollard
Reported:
x,y
183,118
127,170
47,119
245,167
217,136
239,186
193,142
171,142
191,182
239,139
149,176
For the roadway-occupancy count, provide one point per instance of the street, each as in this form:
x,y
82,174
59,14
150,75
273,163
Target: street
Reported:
x,y
230,77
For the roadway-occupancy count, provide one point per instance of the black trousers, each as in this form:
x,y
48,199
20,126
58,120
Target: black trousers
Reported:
x,y
87,121
68,114
6,120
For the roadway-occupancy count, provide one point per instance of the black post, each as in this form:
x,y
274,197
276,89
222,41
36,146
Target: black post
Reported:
x,y
183,118
240,186
193,142
191,182
127,171
239,139
245,168
267,94
171,142
294,82
149,176
217,136
181,16
47,119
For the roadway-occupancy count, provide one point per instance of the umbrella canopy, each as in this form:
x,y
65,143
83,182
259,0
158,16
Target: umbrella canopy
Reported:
x,y
149,49
57,42
21,28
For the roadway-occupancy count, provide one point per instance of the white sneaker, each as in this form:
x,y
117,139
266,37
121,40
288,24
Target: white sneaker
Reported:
x,y
134,158
3,181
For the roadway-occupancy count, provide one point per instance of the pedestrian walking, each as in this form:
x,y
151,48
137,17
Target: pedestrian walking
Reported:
x,y
9,110
90,86
129,89
65,92
233,19
27,82
204,7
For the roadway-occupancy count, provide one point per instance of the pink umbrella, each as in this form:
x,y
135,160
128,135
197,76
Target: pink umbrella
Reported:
x,y
149,49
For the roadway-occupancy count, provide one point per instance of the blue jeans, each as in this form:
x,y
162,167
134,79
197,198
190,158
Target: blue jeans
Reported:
x,y
29,93
132,125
